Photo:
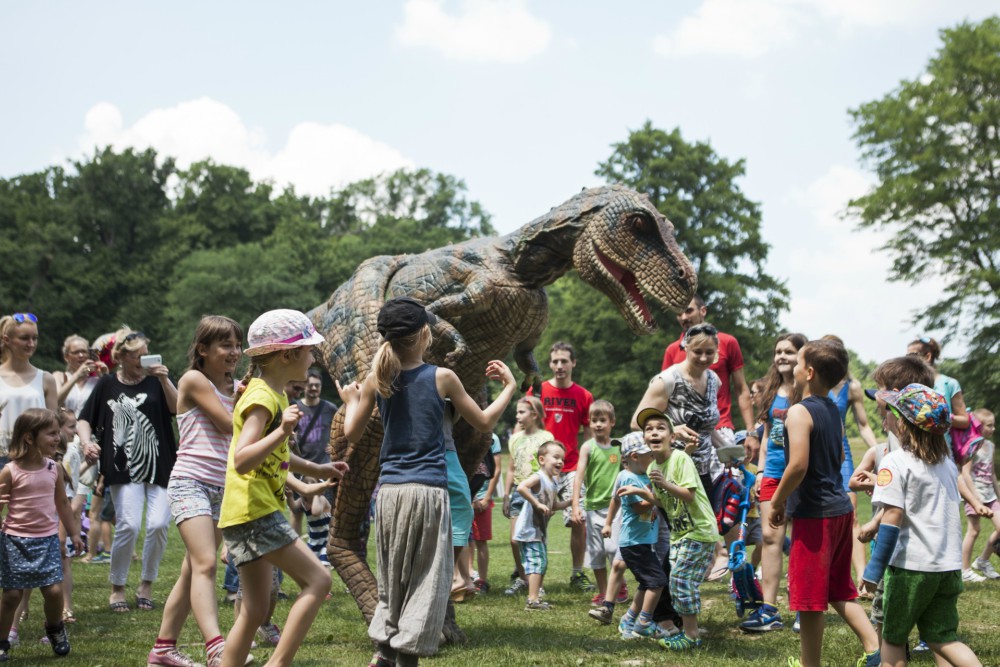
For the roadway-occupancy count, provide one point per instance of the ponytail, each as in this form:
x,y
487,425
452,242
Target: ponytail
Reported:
x,y
386,364
250,374
7,325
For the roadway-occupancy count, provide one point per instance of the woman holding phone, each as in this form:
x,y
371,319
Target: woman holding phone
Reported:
x,y
126,422
83,370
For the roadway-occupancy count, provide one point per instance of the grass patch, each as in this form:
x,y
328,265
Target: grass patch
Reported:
x,y
500,632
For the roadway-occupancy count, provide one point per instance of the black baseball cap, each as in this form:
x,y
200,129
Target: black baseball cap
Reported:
x,y
870,393
401,317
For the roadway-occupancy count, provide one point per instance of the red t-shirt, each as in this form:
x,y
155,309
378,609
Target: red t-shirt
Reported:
x,y
730,360
566,410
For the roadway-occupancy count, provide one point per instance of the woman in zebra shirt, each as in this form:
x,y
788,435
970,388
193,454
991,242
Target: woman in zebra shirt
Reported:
x,y
126,422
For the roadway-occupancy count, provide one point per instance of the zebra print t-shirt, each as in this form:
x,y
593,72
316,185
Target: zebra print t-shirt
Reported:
x,y
132,425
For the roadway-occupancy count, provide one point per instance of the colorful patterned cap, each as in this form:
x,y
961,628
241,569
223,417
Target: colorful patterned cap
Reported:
x,y
281,330
921,406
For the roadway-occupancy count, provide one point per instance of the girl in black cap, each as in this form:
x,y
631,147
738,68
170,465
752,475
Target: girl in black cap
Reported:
x,y
412,518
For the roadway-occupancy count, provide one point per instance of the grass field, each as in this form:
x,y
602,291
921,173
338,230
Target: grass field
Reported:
x,y
500,632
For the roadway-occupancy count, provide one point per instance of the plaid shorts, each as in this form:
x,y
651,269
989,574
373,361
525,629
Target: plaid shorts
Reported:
x,y
534,557
688,561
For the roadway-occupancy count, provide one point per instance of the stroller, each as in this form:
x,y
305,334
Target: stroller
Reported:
x,y
745,589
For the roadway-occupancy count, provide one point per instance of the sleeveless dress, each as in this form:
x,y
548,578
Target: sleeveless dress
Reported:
x,y
699,413
842,401
15,401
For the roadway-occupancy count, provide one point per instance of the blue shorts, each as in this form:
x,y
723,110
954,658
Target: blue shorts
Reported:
x,y
847,469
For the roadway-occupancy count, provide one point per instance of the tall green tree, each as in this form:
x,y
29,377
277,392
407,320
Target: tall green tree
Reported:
x,y
934,145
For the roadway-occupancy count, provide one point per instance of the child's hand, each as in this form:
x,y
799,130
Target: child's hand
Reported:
x,y
686,436
290,418
480,505
606,531
349,392
869,586
863,480
984,511
544,510
333,471
867,532
629,490
78,547
497,370
656,477
224,555
506,506
777,518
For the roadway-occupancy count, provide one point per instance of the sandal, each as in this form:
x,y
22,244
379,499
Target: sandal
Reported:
x,y
120,607
68,616
145,604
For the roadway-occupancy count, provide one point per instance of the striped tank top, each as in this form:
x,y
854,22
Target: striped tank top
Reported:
x,y
203,449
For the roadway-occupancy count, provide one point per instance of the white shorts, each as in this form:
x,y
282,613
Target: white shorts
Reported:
x,y
601,550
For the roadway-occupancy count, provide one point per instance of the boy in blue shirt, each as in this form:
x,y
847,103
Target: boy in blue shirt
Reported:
x,y
637,540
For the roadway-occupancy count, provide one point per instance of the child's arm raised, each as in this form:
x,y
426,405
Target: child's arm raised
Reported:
x,y
527,489
251,447
798,427
648,499
332,471
685,494
449,386
359,401
307,489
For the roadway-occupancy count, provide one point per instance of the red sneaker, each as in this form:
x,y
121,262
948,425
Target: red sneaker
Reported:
x,y
622,596
597,600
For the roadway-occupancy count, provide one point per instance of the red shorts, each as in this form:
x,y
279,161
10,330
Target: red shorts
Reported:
x,y
768,485
482,525
819,565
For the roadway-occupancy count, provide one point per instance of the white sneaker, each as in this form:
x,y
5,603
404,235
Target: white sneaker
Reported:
x,y
969,575
985,568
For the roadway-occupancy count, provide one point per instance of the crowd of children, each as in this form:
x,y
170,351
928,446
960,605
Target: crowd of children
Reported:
x,y
645,500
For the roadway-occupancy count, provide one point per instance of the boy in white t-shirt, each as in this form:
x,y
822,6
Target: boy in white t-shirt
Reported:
x,y
982,480
920,534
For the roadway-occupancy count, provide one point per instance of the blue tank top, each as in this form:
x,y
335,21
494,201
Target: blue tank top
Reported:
x,y
413,444
821,494
841,400
774,466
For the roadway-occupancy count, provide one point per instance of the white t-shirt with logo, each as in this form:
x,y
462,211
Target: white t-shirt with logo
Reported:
x,y
930,539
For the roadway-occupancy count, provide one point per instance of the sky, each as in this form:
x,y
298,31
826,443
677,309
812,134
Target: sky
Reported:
x,y
521,99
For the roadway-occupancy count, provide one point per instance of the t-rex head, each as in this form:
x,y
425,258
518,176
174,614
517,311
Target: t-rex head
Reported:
x,y
627,250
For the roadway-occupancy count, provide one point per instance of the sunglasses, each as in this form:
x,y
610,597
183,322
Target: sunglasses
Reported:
x,y
707,329
21,318
132,336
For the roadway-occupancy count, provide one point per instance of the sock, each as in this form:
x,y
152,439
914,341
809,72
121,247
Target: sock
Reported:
x,y
645,617
577,570
214,646
610,605
629,616
164,646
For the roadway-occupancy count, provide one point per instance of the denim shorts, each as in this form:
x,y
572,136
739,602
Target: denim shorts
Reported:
x,y
190,498
247,542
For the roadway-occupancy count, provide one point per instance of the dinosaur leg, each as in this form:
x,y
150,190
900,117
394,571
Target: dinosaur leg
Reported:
x,y
345,547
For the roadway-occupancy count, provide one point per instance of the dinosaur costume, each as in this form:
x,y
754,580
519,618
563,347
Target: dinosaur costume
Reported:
x,y
488,295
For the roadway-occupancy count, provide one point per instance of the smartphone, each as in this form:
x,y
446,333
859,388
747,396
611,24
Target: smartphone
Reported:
x,y
148,360
94,355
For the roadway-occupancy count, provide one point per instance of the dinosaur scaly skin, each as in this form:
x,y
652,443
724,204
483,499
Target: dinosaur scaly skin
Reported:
x,y
489,297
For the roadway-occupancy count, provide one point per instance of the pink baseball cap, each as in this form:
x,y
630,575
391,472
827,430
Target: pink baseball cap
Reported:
x,y
281,329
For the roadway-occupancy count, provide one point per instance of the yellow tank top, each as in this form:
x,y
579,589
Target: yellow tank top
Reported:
x,y
261,491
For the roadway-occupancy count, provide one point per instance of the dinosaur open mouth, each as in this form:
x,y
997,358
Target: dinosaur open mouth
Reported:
x,y
626,279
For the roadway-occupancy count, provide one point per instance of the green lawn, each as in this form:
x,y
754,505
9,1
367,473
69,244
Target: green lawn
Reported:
x,y
500,632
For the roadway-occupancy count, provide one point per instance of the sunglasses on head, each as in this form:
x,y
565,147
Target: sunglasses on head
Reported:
x,y
132,336
21,318
703,329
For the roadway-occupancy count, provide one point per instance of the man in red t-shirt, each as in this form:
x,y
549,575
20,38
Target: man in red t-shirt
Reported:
x,y
729,367
567,414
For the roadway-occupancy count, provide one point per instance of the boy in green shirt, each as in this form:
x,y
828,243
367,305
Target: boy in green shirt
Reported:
x,y
598,468
693,531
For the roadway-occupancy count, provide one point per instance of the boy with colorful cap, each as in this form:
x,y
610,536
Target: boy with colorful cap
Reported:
x,y
693,532
920,535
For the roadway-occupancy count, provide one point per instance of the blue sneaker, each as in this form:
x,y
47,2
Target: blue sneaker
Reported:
x,y
679,642
764,619
652,631
921,647
873,659
625,628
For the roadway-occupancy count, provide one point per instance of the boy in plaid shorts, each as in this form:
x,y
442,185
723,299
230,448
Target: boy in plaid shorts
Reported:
x,y
693,532
539,492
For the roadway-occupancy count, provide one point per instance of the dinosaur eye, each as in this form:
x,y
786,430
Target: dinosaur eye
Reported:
x,y
639,223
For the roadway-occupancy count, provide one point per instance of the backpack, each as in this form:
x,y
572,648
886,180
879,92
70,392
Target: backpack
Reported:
x,y
726,501
965,442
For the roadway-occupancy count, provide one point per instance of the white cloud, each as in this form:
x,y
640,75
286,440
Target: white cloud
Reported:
x,y
751,28
840,282
481,30
314,158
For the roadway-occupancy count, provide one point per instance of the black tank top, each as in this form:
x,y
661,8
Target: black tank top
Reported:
x,y
821,494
